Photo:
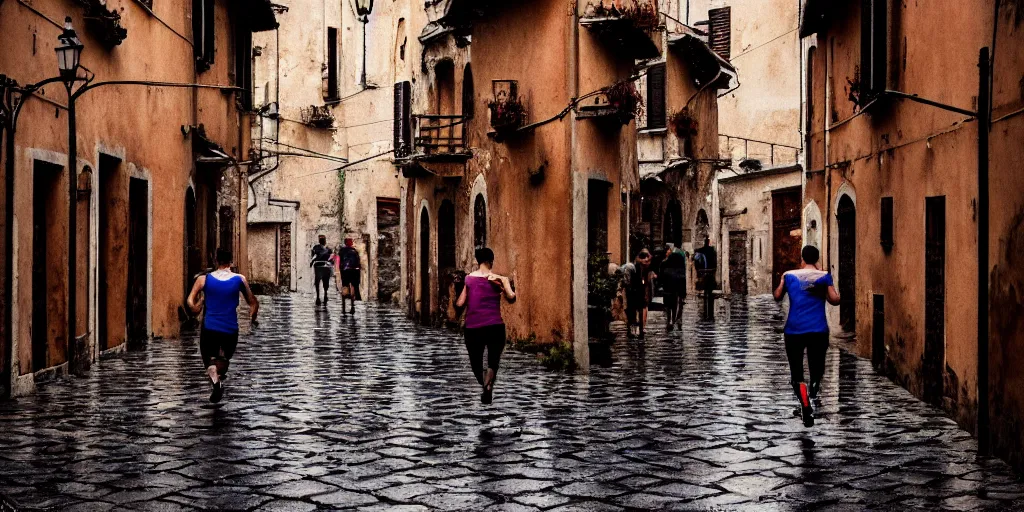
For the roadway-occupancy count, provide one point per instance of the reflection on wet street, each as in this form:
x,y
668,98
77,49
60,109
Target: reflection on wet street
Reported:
x,y
325,410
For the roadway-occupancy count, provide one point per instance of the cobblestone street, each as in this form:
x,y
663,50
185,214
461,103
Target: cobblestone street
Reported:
x,y
331,411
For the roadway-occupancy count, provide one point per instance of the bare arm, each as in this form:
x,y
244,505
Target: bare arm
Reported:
x,y
506,285
254,304
194,302
781,290
461,302
833,296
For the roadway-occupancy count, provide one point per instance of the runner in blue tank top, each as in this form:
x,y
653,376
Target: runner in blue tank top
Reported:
x,y
806,327
219,335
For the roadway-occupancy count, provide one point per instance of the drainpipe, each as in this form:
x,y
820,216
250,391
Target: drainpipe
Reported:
x,y
984,121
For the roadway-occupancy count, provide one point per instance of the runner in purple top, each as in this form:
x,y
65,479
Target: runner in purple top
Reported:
x,y
481,296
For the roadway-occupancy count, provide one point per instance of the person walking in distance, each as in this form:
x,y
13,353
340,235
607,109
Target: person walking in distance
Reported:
x,y
218,291
673,282
481,296
806,329
321,264
638,292
350,269
705,261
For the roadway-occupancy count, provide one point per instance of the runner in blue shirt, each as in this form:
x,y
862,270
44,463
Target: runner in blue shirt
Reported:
x,y
806,327
219,335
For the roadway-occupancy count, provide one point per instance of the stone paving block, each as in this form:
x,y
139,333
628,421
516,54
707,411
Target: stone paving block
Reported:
x,y
345,499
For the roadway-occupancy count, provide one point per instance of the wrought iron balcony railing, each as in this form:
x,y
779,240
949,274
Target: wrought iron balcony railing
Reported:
x,y
439,137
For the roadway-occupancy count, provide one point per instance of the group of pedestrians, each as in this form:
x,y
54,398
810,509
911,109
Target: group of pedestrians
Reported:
x,y
480,295
343,265
640,278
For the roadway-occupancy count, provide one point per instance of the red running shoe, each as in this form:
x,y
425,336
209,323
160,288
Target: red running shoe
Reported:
x,y
805,405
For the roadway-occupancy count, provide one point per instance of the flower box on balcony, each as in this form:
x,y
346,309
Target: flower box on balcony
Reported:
x,y
621,102
319,116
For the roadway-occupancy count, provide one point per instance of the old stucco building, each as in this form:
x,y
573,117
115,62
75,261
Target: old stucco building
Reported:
x,y
324,137
893,188
154,200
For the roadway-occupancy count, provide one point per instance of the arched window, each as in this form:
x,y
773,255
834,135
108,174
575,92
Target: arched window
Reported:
x,y
468,93
479,222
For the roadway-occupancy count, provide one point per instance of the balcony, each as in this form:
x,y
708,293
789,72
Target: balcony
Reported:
x,y
450,16
439,147
318,116
618,104
629,29
704,63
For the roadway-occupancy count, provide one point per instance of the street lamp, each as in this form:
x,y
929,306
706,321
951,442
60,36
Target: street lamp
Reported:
x,y
68,52
363,10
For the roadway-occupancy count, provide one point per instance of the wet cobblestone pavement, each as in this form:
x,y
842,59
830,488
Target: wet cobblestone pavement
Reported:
x,y
329,411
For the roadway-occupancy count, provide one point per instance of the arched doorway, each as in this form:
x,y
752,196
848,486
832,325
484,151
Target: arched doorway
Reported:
x,y
673,233
424,266
468,93
479,222
846,216
445,255
701,228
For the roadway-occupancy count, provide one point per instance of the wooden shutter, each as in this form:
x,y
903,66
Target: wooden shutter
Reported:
x,y
403,119
656,116
332,64
874,51
720,31
209,30
197,28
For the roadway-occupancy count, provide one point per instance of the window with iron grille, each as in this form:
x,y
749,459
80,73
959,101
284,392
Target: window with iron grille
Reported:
x,y
656,115
886,227
403,119
203,33
332,65
873,46
720,31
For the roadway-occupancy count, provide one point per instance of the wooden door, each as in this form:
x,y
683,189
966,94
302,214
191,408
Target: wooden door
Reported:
x,y
738,262
847,219
934,298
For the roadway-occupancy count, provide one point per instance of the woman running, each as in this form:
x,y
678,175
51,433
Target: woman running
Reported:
x,y
219,335
481,296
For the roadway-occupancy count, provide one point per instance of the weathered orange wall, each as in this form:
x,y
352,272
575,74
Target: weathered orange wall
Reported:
x,y
141,124
911,151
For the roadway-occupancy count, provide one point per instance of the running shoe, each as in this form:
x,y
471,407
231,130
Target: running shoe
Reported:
x,y
805,404
218,392
815,388
487,396
318,301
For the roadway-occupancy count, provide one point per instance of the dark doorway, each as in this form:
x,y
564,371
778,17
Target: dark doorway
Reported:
x,y
193,254
786,233
934,298
227,229
738,262
846,216
137,307
388,262
425,267
878,333
112,232
445,257
597,217
674,223
46,259
479,222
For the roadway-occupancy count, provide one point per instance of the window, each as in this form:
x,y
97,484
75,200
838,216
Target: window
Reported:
x,y
873,46
809,106
403,119
479,222
720,31
656,116
886,227
243,63
468,93
332,65
203,33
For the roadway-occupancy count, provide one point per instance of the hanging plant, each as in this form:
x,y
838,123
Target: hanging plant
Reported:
x,y
507,113
642,14
683,123
624,97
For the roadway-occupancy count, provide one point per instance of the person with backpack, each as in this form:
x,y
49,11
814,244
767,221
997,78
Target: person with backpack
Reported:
x,y
808,288
705,261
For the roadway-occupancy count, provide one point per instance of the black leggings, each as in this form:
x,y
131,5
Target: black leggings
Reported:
x,y
491,337
322,274
816,344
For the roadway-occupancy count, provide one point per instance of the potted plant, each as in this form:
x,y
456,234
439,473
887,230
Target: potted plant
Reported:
x,y
602,288
507,112
626,99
